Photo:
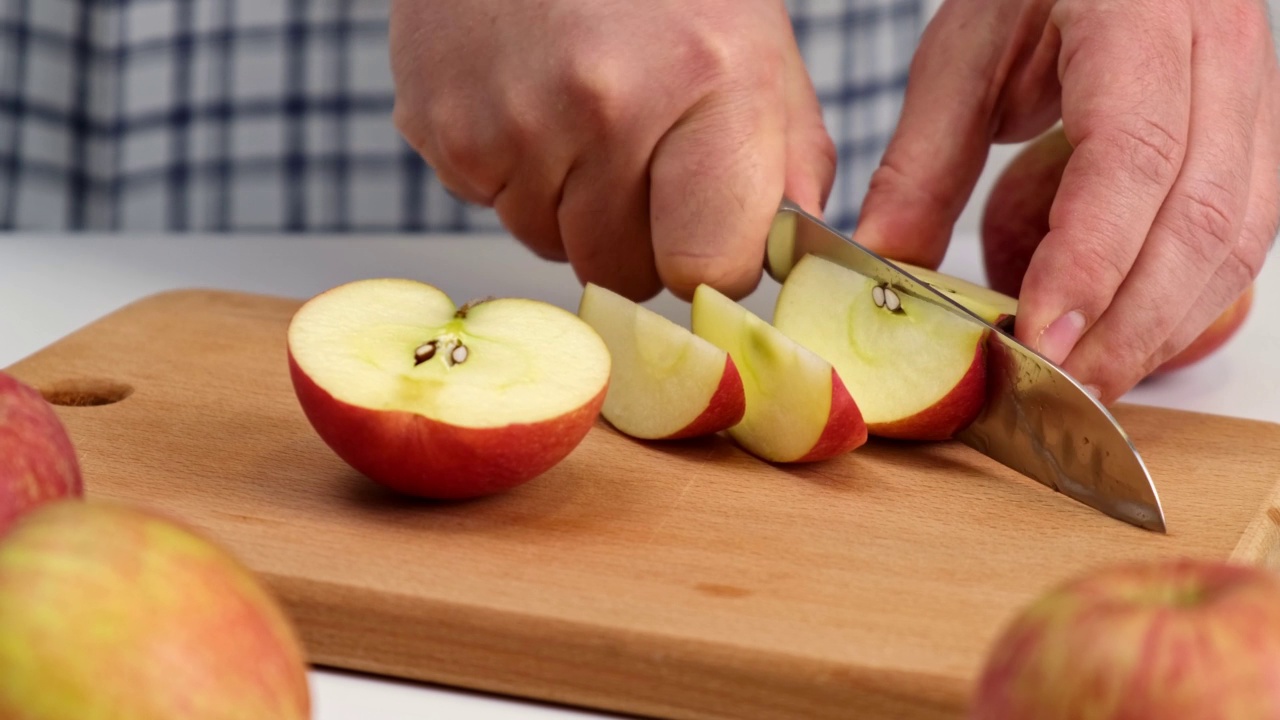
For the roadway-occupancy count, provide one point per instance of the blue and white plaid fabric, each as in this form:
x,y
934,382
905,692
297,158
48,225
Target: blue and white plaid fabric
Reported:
x,y
275,115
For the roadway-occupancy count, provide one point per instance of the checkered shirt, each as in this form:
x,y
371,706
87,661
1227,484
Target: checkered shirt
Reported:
x,y
275,115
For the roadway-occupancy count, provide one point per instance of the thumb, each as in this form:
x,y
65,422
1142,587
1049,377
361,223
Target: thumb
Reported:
x,y
938,150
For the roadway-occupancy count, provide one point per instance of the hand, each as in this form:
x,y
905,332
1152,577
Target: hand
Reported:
x,y
648,144
1169,204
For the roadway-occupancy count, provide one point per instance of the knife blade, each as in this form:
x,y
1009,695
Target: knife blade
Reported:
x,y
1037,420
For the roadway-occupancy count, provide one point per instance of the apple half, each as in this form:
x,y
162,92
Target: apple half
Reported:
x,y
917,370
797,407
666,383
438,401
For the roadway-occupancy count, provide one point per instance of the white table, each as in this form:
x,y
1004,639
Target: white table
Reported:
x,y
51,285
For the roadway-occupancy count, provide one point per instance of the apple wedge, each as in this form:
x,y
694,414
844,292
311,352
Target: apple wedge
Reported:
x,y
990,305
797,409
444,402
666,383
918,371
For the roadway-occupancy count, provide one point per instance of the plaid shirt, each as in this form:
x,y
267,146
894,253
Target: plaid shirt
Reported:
x,y
275,115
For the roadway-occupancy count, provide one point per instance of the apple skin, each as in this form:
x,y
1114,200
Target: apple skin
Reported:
x,y
390,446
112,611
727,406
38,462
1183,638
835,439
1016,218
952,413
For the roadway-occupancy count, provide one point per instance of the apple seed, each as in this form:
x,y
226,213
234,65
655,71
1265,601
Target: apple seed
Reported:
x,y
891,300
877,295
425,352
459,354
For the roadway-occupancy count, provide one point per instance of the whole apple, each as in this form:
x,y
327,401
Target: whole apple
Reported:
x,y
37,459
1185,638
110,611
1016,218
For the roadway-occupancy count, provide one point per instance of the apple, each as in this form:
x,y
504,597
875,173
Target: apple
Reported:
x,y
38,461
665,383
917,370
1182,638
990,305
1016,218
111,611
439,401
797,407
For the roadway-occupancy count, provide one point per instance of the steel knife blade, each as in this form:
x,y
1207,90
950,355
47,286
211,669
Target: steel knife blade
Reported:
x,y
1037,420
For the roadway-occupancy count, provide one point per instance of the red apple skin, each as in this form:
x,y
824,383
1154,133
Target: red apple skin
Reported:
x,y
38,462
111,611
1016,216
1213,337
418,456
845,430
727,406
1184,638
951,414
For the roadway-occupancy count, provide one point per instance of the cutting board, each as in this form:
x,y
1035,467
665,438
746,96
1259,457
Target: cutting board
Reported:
x,y
683,580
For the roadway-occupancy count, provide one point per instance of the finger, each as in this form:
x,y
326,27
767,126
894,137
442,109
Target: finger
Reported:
x,y
527,206
604,217
937,153
1125,111
1200,221
811,154
715,183
1257,236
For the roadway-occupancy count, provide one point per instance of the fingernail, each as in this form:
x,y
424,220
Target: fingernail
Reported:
x,y
1057,340
1094,391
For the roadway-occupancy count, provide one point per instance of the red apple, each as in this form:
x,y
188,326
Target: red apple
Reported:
x,y
1186,639
798,409
37,459
666,382
917,371
1016,215
438,401
108,611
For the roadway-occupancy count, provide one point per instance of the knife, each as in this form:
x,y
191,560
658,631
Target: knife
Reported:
x,y
1037,420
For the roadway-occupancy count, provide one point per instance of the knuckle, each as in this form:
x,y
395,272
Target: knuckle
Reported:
x,y
1149,147
1205,221
597,90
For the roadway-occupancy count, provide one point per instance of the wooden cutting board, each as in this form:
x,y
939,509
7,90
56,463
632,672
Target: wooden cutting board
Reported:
x,y
684,580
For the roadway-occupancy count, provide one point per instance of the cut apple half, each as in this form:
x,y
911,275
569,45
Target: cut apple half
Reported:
x,y
444,402
797,408
917,370
990,305
666,382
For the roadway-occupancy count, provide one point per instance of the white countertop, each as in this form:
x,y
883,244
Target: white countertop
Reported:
x,y
51,285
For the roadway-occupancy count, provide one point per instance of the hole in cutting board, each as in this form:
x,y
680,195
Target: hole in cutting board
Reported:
x,y
86,392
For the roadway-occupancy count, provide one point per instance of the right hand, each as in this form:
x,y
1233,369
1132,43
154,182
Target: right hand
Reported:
x,y
648,144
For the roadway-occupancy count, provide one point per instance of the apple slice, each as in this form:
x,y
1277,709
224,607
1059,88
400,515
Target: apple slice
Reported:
x,y
990,305
918,371
444,402
666,383
798,410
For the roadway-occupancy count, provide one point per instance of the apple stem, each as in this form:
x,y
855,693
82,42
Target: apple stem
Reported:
x,y
462,311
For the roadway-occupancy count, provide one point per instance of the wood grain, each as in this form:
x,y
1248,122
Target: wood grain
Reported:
x,y
684,580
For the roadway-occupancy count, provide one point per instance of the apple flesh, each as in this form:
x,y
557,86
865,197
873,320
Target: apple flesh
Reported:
x,y
917,370
666,383
109,611
1016,219
797,407
993,306
442,402
1187,639
38,462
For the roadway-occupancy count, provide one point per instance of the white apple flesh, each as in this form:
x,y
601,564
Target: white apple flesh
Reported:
x,y
666,383
444,402
797,408
917,371
990,305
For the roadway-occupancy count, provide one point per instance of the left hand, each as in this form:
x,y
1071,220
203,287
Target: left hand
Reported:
x,y
1171,199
